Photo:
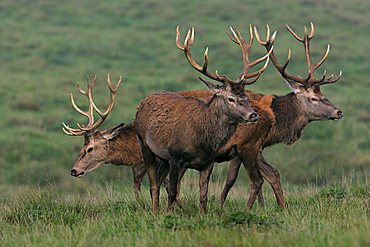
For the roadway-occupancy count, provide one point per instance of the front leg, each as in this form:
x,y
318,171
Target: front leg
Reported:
x,y
273,177
204,177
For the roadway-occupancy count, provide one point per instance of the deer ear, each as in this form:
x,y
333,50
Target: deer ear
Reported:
x,y
295,86
213,87
113,132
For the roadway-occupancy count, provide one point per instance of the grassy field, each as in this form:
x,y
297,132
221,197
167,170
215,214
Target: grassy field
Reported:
x,y
337,215
47,46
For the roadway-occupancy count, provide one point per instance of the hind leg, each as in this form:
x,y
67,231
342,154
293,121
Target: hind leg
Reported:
x,y
138,173
273,177
249,160
232,174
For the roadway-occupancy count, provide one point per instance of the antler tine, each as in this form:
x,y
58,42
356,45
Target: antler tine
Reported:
x,y
246,46
322,59
70,131
311,80
258,73
178,42
238,39
280,67
312,30
113,90
82,129
293,33
329,80
186,47
89,114
306,43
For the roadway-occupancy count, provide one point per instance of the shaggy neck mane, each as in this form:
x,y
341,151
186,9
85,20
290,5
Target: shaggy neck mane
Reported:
x,y
216,124
289,120
124,149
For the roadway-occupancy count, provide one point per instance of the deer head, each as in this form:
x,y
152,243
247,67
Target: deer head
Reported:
x,y
231,91
312,102
95,150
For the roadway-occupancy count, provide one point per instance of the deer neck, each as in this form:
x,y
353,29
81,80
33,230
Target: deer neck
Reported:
x,y
218,125
290,120
125,148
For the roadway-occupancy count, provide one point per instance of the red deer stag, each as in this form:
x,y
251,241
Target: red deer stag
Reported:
x,y
287,115
292,112
185,131
117,145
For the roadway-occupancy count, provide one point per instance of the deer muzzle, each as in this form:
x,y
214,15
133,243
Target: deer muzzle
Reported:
x,y
337,114
251,117
77,174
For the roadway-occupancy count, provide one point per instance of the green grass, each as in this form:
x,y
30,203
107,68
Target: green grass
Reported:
x,y
337,215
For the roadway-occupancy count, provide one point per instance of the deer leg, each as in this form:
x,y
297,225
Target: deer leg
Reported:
x,y
138,172
250,163
181,175
204,177
273,177
162,172
150,167
255,184
261,198
232,174
173,179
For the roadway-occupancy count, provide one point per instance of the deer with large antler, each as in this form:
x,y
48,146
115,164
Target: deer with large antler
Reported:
x,y
291,112
282,119
186,131
118,145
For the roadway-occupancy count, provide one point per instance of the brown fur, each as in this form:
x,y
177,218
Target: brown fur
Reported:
x,y
187,132
282,119
117,145
247,141
292,113
125,148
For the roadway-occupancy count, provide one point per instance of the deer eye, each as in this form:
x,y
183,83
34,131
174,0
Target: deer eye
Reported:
x,y
90,149
231,100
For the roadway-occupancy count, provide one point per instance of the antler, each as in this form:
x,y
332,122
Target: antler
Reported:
x,y
82,129
246,47
189,40
310,80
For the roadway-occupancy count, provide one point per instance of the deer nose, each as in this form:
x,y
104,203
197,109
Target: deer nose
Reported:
x,y
253,117
340,114
73,172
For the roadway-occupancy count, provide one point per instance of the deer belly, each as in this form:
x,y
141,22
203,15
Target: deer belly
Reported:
x,y
158,148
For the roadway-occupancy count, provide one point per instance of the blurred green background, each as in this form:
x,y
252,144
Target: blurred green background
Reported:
x,y
47,46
